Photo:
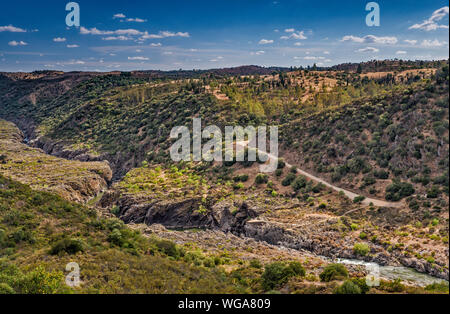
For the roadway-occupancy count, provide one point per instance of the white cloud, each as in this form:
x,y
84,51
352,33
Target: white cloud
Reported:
x,y
299,35
431,23
167,53
265,41
401,52
432,43
156,45
297,44
138,58
59,39
257,53
368,49
95,31
122,38
119,16
370,39
326,52
17,43
137,20
410,41
164,34
72,46
74,62
12,29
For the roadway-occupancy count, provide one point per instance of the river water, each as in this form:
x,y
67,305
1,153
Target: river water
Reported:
x,y
405,274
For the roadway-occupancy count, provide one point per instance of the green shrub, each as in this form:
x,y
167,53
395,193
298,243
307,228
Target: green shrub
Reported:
x,y
297,268
39,281
169,248
281,163
70,246
334,272
359,199
361,249
319,187
398,190
6,289
434,192
116,237
393,286
115,211
261,178
288,179
278,273
241,178
441,287
348,287
381,174
299,183
362,284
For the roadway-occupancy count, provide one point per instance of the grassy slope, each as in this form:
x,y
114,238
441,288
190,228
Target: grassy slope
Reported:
x,y
113,259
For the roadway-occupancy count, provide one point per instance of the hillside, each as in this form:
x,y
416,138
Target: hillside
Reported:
x,y
102,140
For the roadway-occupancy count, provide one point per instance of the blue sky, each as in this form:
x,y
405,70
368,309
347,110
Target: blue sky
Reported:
x,y
194,34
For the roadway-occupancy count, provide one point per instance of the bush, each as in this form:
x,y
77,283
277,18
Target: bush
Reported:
x,y
362,284
6,289
381,174
361,249
168,247
319,187
116,238
359,199
278,273
299,183
281,163
279,172
437,287
348,287
434,192
39,281
393,286
289,179
70,246
297,269
261,178
398,190
334,272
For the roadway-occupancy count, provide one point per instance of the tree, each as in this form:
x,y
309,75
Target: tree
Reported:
x,y
359,70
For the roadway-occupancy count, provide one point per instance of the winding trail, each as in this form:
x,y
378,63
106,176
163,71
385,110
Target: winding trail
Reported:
x,y
349,194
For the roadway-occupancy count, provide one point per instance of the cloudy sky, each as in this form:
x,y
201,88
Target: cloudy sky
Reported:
x,y
194,34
